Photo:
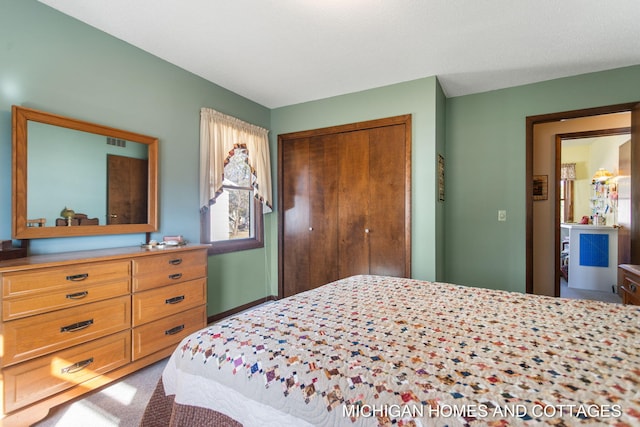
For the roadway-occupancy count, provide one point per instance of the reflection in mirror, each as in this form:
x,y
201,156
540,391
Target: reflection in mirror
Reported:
x,y
74,178
70,169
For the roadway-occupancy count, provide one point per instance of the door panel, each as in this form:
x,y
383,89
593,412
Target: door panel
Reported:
x,y
323,223
386,205
635,185
127,186
353,203
295,207
624,203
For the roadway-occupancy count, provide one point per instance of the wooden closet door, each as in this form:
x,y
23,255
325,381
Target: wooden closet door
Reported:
x,y
323,214
295,208
353,203
310,198
387,192
344,203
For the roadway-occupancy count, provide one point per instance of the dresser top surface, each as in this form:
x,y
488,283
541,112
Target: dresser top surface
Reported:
x,y
62,258
632,268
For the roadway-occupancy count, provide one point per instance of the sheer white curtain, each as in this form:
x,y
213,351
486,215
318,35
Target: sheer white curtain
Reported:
x,y
219,135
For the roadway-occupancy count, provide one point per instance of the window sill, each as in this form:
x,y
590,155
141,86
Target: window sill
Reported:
x,y
234,246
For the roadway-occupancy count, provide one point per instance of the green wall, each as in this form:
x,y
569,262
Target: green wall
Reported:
x,y
485,146
55,63
52,62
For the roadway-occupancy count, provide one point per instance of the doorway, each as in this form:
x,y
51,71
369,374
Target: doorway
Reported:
x,y
593,201
542,158
126,190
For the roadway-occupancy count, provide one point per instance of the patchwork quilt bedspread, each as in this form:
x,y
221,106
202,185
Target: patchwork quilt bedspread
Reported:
x,y
383,351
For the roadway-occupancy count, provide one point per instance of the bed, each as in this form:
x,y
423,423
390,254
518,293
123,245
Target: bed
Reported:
x,y
384,351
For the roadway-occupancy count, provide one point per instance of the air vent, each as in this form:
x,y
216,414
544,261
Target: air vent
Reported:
x,y
117,142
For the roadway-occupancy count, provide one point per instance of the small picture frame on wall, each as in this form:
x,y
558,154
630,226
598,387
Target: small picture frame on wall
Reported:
x,y
440,178
540,185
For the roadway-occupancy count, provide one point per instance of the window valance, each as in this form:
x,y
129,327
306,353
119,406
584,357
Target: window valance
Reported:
x,y
568,171
219,135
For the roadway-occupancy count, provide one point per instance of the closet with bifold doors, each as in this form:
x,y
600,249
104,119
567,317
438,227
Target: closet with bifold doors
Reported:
x,y
344,203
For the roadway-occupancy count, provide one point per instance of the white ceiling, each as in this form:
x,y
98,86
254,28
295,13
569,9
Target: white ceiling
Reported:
x,y
284,52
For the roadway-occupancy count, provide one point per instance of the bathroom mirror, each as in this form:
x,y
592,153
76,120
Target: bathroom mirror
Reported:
x,y
75,178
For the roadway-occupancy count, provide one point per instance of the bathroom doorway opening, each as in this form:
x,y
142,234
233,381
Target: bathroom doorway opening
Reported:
x,y
542,237
594,200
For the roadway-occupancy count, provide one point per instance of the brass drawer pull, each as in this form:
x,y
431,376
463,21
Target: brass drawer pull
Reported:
x,y
175,261
77,326
175,276
77,366
174,300
174,330
78,295
78,277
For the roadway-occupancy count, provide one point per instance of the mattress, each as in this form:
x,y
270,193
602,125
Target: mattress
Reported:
x,y
385,351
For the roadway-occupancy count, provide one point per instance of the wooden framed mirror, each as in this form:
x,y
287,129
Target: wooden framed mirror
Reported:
x,y
105,178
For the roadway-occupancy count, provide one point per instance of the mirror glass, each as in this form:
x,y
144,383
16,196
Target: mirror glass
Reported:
x,y
75,178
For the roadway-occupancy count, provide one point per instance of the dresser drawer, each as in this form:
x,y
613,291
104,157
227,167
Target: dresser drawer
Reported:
x,y
15,284
166,333
74,295
630,291
45,333
630,297
161,270
33,380
167,300
631,283
170,261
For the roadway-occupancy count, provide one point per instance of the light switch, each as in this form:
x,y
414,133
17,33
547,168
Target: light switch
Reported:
x,y
502,215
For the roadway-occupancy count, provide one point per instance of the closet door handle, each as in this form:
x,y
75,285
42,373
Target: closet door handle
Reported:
x,y
77,326
77,366
78,277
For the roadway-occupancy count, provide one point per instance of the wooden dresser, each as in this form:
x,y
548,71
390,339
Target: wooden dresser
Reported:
x,y
76,321
628,289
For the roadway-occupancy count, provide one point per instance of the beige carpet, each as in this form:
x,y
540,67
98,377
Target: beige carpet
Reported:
x,y
119,404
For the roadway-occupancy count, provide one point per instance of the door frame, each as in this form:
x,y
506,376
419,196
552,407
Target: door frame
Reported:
x,y
553,117
559,138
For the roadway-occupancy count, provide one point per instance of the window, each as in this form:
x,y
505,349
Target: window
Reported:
x,y
563,204
235,182
235,216
567,176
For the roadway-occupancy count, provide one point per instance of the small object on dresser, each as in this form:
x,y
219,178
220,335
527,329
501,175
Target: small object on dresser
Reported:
x,y
150,244
37,222
7,251
173,240
67,214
